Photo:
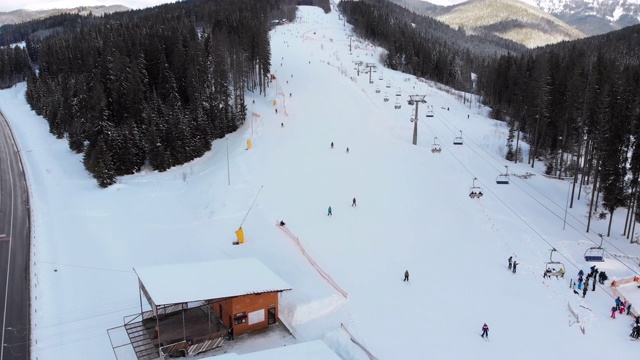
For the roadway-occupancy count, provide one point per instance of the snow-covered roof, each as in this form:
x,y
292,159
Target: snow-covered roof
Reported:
x,y
311,350
186,282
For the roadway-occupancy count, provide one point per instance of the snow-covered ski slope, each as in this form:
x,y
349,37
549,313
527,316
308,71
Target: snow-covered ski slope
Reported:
x,y
413,213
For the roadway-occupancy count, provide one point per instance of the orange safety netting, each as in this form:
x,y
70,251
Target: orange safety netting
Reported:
x,y
322,273
617,293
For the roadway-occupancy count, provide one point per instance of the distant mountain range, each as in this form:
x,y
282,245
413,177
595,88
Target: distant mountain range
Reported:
x,y
531,22
22,15
593,17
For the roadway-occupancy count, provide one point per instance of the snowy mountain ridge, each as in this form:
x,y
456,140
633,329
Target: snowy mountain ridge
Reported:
x,y
614,7
592,17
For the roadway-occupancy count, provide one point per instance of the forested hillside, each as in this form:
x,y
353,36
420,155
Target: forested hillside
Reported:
x,y
152,87
578,104
14,65
421,45
155,87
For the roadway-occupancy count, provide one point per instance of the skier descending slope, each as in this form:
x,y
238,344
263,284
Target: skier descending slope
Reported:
x,y
485,331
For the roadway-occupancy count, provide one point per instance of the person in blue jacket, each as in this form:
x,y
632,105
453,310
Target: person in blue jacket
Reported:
x,y
329,212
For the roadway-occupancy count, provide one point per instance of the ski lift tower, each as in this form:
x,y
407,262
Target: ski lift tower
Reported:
x,y
416,100
371,67
358,64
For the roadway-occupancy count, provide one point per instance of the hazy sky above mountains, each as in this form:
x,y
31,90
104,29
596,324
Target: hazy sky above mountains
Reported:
x,y
10,5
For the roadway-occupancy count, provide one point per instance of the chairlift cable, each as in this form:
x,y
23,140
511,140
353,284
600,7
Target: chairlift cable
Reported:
x,y
586,236
519,217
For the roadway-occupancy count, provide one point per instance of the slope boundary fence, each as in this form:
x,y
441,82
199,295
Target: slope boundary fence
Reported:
x,y
617,293
322,273
355,341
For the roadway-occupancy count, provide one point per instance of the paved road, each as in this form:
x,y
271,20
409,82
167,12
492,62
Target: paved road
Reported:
x,y
14,251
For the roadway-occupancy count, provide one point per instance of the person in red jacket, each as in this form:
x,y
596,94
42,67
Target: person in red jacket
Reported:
x,y
485,330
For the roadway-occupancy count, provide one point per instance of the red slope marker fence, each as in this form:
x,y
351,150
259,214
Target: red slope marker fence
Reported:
x,y
322,273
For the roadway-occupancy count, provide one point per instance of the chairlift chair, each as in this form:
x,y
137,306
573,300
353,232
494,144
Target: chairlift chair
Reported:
x,y
503,179
397,105
595,253
436,148
553,268
377,90
388,84
380,78
386,97
430,111
399,92
458,139
475,191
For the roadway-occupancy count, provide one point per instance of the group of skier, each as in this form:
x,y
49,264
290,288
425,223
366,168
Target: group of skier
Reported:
x,y
332,147
513,265
330,211
622,306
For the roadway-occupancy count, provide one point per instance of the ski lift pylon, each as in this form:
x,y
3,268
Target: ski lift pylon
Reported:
x,y
595,253
475,191
458,139
553,268
503,179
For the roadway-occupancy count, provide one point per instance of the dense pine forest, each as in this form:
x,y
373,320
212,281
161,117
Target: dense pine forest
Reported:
x,y
14,65
151,88
578,105
155,87
421,45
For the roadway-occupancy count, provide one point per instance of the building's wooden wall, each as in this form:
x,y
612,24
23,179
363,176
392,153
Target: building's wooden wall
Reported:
x,y
228,310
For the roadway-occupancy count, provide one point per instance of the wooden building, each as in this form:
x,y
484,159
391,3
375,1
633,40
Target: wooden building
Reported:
x,y
243,293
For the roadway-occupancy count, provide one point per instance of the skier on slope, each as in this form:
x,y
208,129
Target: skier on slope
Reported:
x,y
510,262
329,212
485,330
353,203
406,275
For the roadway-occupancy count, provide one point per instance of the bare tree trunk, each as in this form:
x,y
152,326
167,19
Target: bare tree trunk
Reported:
x,y
583,175
564,141
593,195
578,170
629,208
532,157
610,221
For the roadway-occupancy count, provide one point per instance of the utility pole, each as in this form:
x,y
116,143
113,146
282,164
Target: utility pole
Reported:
x,y
416,100
371,66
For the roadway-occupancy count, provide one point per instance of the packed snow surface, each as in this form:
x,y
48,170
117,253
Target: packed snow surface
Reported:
x,y
413,213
